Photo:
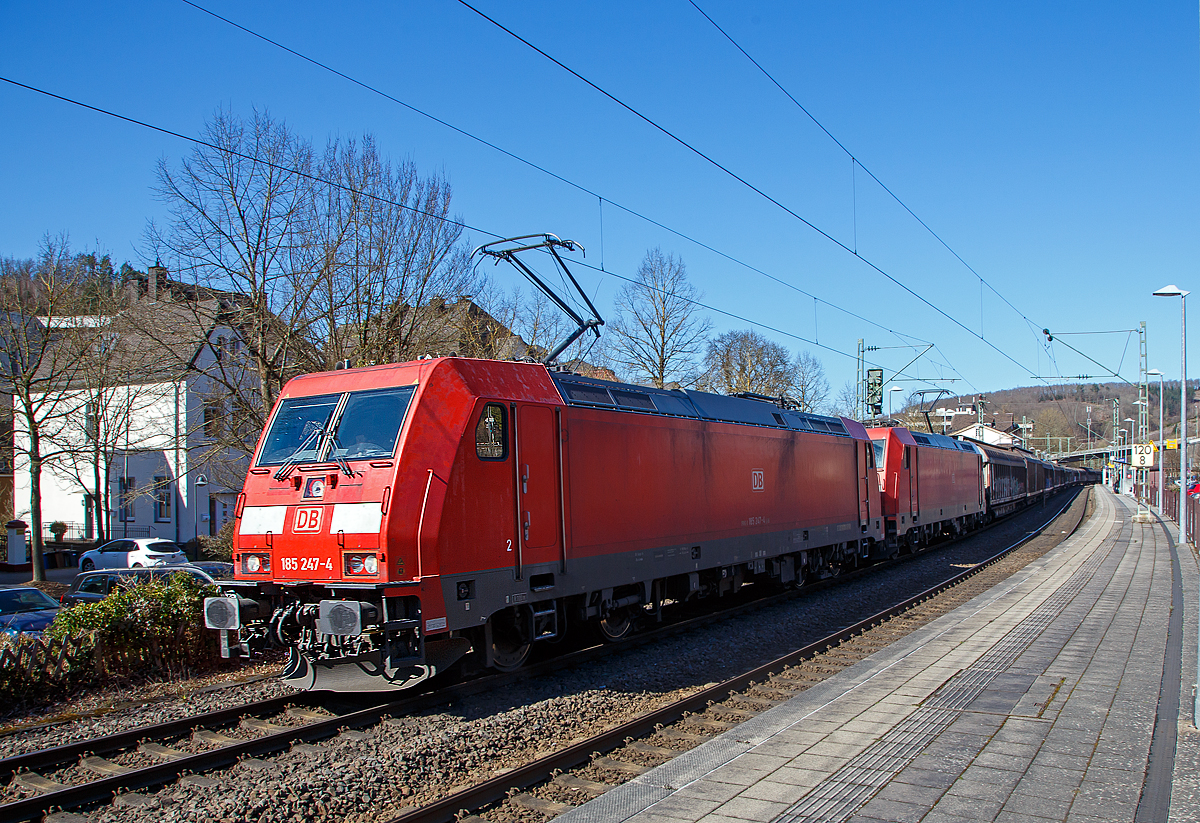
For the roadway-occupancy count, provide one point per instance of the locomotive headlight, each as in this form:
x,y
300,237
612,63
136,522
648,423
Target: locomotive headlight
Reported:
x,y
256,563
361,563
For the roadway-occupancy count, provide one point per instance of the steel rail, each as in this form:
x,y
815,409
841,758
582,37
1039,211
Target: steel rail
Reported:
x,y
67,752
540,770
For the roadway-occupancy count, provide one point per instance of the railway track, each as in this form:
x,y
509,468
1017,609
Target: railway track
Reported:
x,y
188,747
689,721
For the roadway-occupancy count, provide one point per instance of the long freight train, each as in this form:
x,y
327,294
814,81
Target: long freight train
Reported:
x,y
396,518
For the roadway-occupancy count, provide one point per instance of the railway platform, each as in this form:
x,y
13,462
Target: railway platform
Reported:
x,y
1062,694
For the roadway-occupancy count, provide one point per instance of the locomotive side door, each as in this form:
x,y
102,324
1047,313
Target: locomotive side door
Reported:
x,y
538,506
865,452
911,458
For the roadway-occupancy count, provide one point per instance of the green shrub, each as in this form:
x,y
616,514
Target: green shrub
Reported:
x,y
219,547
154,628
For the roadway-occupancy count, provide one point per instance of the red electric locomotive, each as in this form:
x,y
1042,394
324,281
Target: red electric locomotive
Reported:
x,y
931,484
397,517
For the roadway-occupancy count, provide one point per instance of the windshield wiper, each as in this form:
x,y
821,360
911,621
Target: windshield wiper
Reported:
x,y
292,460
342,462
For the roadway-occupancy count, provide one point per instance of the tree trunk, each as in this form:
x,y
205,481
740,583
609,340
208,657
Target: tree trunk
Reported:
x,y
97,496
35,503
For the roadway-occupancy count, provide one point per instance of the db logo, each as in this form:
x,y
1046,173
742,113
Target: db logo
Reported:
x,y
307,520
757,481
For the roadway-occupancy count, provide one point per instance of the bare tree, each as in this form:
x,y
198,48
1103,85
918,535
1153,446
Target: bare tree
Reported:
x,y
310,261
745,361
39,364
122,377
846,401
657,332
810,387
389,254
240,221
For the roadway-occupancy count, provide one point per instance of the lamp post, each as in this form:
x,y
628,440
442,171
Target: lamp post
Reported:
x,y
890,392
201,482
1162,475
1174,291
1129,456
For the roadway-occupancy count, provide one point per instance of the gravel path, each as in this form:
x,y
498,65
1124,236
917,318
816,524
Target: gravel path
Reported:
x,y
405,762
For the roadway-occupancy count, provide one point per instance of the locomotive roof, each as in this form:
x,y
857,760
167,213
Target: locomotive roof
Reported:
x,y
577,390
912,438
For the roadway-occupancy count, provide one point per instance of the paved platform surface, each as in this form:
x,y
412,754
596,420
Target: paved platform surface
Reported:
x,y
1035,701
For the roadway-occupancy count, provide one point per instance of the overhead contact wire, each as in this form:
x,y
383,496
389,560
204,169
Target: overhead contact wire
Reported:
x,y
855,159
318,179
752,187
577,186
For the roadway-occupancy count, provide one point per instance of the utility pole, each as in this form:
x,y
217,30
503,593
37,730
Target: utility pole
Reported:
x,y
1143,420
860,388
1114,439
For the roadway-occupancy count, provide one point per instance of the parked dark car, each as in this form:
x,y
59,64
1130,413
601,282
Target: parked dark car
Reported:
x,y
26,610
215,569
90,587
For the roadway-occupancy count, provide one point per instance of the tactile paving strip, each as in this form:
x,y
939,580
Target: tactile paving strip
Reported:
x,y
849,788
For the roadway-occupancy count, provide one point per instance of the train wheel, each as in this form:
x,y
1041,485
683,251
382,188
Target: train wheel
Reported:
x,y
616,626
511,638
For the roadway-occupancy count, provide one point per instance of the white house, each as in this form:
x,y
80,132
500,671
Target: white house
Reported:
x,y
138,445
992,436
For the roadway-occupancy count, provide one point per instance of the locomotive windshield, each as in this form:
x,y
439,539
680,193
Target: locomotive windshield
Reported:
x,y
879,446
356,426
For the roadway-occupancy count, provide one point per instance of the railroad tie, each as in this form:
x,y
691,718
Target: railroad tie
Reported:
x,y
710,723
37,783
307,715
650,748
759,703
65,817
724,709
685,737
161,752
549,808
620,765
570,781
255,724
212,738
103,767
199,780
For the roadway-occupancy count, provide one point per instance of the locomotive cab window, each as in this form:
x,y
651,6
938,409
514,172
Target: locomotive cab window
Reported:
x,y
491,440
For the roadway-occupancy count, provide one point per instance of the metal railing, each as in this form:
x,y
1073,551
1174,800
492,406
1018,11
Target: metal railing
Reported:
x,y
1171,511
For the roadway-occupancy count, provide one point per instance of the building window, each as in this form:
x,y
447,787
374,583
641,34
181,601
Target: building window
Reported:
x,y
213,412
126,491
91,423
162,500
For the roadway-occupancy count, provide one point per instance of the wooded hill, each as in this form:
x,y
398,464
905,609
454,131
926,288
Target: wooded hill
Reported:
x,y
1062,411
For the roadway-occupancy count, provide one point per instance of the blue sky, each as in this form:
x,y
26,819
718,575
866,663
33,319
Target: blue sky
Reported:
x,y
1052,146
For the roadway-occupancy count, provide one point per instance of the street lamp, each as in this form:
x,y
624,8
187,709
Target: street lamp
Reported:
x,y
1174,291
1129,455
201,482
1162,475
892,389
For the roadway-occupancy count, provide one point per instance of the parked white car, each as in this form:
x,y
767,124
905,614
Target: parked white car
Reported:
x,y
132,554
